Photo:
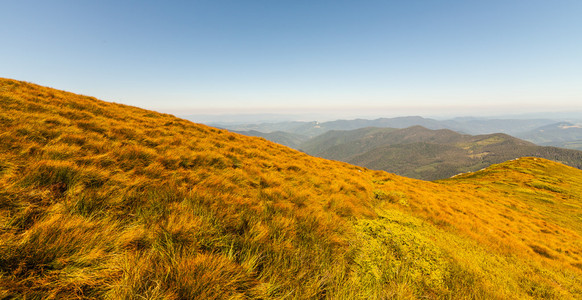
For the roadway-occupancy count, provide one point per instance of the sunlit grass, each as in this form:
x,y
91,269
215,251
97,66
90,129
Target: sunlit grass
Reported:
x,y
101,200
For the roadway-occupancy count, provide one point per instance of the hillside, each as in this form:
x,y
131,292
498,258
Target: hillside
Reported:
x,y
101,200
340,145
427,154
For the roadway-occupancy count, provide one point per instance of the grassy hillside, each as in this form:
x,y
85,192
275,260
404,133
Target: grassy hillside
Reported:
x,y
427,154
101,200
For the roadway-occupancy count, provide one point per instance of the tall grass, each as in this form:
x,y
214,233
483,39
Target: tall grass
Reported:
x,y
101,200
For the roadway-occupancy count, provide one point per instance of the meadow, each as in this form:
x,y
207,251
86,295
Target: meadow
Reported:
x,y
105,201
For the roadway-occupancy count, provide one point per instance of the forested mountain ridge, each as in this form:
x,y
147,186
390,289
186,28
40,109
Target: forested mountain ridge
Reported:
x,y
427,154
544,132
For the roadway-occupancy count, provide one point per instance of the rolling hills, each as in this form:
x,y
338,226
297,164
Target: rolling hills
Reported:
x,y
543,132
562,134
427,154
467,125
102,200
312,129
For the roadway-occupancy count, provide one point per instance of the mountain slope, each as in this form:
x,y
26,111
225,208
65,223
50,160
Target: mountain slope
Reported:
x,y
333,138
341,145
427,154
101,200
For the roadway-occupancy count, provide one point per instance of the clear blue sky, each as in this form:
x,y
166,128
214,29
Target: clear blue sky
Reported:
x,y
470,57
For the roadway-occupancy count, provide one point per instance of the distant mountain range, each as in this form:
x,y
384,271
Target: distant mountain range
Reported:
x,y
432,150
465,125
545,132
422,153
562,134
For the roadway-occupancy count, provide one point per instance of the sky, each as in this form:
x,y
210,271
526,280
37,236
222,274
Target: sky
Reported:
x,y
355,58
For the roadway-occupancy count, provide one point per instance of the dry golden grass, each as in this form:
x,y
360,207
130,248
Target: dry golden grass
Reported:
x,y
101,200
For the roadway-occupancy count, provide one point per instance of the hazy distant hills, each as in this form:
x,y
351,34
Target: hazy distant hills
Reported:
x,y
422,153
544,132
426,148
294,127
280,137
485,126
314,128
562,134
464,125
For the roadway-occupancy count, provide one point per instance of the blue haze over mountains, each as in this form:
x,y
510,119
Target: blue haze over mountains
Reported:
x,y
425,148
566,133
